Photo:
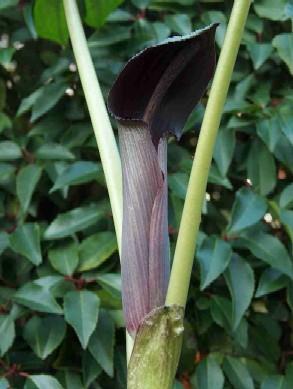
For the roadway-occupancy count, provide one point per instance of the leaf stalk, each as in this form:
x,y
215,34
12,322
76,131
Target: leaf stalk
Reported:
x,y
100,120
191,216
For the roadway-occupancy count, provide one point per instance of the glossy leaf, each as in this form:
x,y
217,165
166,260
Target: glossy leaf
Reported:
x,y
5,4
43,382
209,374
44,335
259,53
50,95
7,329
101,344
247,210
261,168
77,173
50,20
26,241
240,280
213,256
98,11
4,384
51,151
284,45
96,249
37,297
270,250
75,220
178,184
224,149
9,151
179,23
271,9
26,181
71,380
270,281
273,382
237,373
64,258
81,309
4,241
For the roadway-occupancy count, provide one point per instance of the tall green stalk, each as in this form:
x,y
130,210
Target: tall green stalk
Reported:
x,y
100,120
191,216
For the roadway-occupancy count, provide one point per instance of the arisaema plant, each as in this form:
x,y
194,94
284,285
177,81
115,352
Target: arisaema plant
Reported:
x,y
151,100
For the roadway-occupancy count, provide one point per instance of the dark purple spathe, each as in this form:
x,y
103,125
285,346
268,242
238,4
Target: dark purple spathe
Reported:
x,y
152,97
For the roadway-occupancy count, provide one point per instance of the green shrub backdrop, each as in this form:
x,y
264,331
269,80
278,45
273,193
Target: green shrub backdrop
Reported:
x,y
61,324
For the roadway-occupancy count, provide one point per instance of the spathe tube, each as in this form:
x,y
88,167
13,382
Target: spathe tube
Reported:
x,y
152,98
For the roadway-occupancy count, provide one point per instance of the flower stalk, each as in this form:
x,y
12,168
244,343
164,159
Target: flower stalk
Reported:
x,y
191,216
99,116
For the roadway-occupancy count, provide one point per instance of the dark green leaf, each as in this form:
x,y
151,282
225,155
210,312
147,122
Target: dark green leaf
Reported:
x,y
26,181
98,11
75,220
240,280
26,241
4,241
8,333
270,281
271,9
215,177
142,4
213,256
43,382
179,23
247,210
50,20
221,311
81,309
178,184
101,344
273,382
49,97
72,380
9,151
237,373
53,151
259,53
286,217
28,102
37,297
284,45
95,249
261,168
270,250
224,149
4,384
5,4
44,335
64,258
209,374
77,173
111,282
91,369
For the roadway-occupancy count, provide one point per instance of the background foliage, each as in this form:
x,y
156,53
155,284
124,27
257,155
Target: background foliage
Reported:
x,y
60,307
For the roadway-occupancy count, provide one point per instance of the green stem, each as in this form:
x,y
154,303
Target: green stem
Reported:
x,y
100,120
191,216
